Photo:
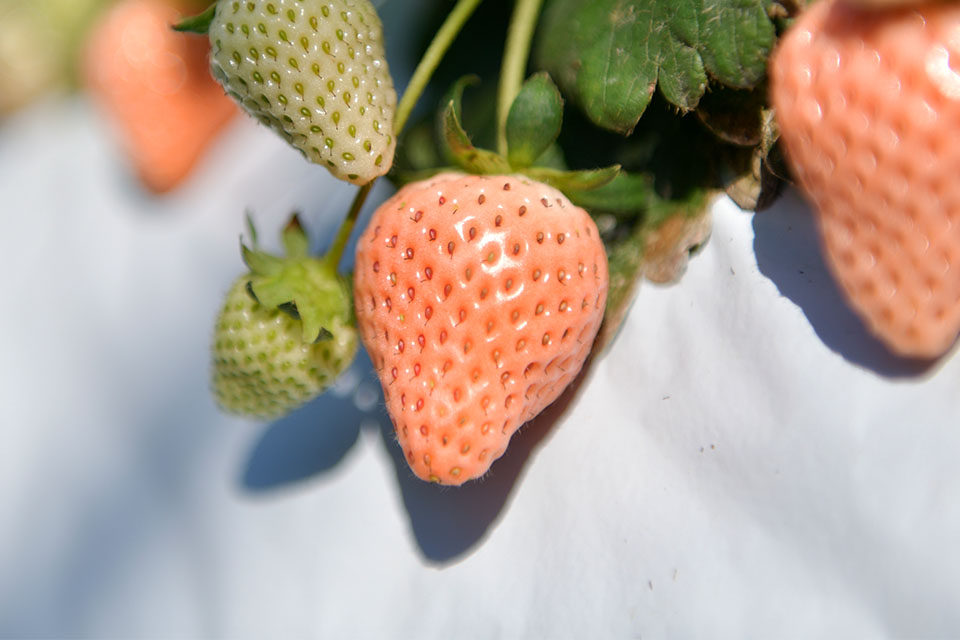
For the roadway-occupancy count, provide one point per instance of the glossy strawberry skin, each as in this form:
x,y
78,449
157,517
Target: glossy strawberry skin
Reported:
x,y
868,104
314,71
478,299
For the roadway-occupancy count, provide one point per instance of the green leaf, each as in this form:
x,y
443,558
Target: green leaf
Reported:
x,y
260,262
200,23
251,230
627,195
309,291
295,241
610,55
467,156
574,181
736,38
453,101
457,144
316,314
325,303
534,121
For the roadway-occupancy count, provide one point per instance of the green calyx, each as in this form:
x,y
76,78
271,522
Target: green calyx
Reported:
x,y
532,127
200,23
305,287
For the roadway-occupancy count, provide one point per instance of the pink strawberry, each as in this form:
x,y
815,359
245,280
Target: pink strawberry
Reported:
x,y
868,103
478,299
156,86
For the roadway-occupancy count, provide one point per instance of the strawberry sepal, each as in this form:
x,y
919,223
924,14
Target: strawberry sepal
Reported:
x,y
199,24
567,181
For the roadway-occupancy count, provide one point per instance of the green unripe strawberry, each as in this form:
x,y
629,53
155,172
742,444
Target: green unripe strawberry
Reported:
x,y
315,72
284,334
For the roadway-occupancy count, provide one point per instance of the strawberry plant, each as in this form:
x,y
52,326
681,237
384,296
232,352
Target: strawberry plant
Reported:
x,y
573,150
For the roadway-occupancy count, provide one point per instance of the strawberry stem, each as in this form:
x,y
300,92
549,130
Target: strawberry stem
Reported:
x,y
431,58
418,82
523,22
346,227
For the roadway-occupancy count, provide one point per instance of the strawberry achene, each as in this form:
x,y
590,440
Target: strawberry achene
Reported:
x,y
478,298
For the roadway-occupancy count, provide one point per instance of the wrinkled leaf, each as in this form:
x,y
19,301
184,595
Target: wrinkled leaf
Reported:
x,y
534,121
736,37
610,55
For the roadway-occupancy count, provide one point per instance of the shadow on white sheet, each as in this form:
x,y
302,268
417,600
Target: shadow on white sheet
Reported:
x,y
741,463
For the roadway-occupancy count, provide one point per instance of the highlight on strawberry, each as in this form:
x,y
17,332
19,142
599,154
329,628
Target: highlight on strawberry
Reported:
x,y
314,71
285,331
527,216
478,299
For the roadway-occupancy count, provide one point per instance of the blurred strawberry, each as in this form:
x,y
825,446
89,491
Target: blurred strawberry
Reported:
x,y
38,43
156,85
868,103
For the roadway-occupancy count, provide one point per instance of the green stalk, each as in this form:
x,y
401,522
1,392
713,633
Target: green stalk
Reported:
x,y
523,22
431,58
418,82
346,227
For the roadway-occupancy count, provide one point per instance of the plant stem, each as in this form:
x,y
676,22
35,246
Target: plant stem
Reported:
x,y
346,227
523,22
418,82
431,58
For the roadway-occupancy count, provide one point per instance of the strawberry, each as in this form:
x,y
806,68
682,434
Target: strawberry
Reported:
x,y
156,86
868,104
478,299
315,72
284,333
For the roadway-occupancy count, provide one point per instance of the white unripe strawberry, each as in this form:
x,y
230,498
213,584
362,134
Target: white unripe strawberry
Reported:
x,y
285,331
315,72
